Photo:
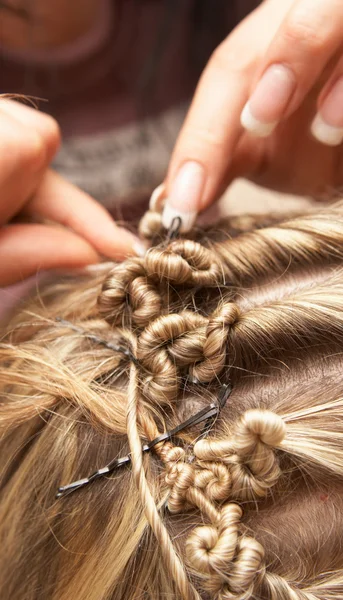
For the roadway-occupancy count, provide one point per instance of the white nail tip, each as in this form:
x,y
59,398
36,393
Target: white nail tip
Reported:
x,y
156,197
256,127
187,218
97,267
325,133
139,249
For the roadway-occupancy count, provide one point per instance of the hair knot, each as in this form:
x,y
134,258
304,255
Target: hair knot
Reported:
x,y
167,345
258,426
172,454
150,225
184,262
248,453
230,562
216,341
180,478
246,569
211,548
224,316
248,486
128,296
214,479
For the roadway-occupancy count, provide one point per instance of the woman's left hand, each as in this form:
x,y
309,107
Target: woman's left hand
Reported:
x,y
279,74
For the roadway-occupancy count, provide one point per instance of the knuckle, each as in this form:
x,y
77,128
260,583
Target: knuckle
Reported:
x,y
228,57
203,141
299,33
209,139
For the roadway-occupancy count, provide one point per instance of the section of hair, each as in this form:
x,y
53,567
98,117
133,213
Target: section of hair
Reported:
x,y
251,512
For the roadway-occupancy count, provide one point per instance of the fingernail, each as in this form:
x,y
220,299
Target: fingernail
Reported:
x,y
187,218
139,249
116,242
327,126
99,267
156,197
269,101
185,196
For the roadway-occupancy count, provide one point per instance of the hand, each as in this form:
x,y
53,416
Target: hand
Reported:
x,y
280,67
79,228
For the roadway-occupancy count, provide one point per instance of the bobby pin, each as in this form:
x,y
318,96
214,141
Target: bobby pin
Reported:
x,y
174,229
98,340
208,414
225,391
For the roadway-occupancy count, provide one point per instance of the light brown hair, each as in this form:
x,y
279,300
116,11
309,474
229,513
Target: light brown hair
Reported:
x,y
252,511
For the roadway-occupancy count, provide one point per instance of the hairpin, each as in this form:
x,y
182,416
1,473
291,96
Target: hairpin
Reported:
x,y
174,229
98,340
208,414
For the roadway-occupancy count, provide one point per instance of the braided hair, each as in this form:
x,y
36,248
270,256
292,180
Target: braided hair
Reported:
x,y
251,511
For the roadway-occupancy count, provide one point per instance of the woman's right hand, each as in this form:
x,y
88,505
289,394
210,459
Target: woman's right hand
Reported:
x,y
280,75
45,221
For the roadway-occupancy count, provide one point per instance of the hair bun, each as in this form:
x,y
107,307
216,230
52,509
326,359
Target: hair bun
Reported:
x,y
184,262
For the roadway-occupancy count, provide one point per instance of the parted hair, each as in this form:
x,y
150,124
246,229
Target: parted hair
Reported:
x,y
252,511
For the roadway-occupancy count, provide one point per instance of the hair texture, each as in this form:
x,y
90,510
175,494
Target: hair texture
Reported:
x,y
251,511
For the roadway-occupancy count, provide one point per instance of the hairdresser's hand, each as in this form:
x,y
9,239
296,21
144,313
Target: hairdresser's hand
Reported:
x,y
79,229
283,67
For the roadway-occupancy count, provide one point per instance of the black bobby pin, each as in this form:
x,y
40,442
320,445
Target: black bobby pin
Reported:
x,y
208,414
224,394
174,229
98,340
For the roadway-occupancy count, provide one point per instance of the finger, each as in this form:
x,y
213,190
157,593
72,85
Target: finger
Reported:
x,y
327,126
60,201
23,157
28,249
43,124
211,130
307,39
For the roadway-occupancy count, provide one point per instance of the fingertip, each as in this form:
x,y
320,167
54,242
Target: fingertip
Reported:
x,y
53,137
325,133
170,213
186,195
269,101
327,126
139,249
121,243
254,125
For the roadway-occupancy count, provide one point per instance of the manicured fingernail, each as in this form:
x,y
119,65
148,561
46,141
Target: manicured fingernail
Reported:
x,y
100,267
185,196
269,101
139,248
327,126
187,218
156,197
118,242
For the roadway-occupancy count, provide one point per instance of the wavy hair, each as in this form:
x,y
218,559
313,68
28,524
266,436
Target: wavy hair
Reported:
x,y
252,511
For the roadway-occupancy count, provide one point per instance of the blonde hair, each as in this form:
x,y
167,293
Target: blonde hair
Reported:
x,y
252,511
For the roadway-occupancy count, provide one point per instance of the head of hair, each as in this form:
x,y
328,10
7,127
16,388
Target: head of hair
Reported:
x,y
254,510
